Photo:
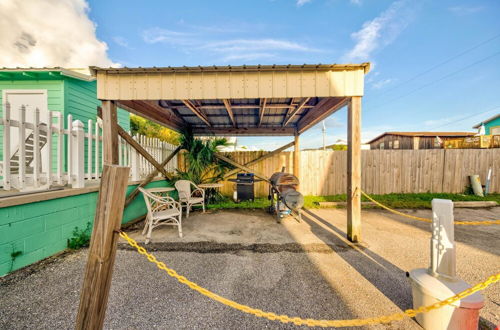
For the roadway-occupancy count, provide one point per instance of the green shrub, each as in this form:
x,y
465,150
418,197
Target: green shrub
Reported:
x,y
81,238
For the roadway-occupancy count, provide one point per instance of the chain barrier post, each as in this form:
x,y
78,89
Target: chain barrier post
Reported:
x,y
439,280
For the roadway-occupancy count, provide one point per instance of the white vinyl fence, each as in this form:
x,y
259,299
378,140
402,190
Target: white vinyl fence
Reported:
x,y
37,155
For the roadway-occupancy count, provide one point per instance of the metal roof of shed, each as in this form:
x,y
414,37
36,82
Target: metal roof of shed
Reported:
x,y
234,100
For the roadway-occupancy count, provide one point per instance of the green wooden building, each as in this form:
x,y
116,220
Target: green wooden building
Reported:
x,y
491,125
69,91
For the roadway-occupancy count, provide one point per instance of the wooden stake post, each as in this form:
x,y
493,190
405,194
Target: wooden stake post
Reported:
x,y
354,170
296,156
107,222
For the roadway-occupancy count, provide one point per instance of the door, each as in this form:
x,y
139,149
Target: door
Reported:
x,y
31,99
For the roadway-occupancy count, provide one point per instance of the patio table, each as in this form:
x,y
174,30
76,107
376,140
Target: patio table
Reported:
x,y
211,191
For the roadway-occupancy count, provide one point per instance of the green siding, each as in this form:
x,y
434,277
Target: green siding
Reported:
x,y
42,229
66,95
493,123
55,95
81,102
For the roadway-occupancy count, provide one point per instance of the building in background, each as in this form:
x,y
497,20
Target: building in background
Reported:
x,y
67,91
491,126
415,140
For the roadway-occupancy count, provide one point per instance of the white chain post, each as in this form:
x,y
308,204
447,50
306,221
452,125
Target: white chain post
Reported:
x,y
443,253
78,155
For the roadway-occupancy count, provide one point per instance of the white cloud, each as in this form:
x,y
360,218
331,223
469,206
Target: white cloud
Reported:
x,y
38,33
226,50
380,31
245,45
302,2
466,10
382,83
356,2
121,41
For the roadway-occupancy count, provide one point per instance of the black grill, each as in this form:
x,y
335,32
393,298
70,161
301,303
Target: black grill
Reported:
x,y
244,186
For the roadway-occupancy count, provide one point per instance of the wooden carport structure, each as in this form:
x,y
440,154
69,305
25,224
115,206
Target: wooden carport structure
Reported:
x,y
260,100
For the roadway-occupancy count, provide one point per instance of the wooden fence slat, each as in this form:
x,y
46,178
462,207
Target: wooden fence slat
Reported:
x,y
383,171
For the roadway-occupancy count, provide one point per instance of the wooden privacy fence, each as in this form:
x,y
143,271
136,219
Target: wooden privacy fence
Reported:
x,y
383,171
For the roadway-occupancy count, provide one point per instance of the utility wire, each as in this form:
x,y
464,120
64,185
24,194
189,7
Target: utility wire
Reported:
x,y
438,80
467,117
440,64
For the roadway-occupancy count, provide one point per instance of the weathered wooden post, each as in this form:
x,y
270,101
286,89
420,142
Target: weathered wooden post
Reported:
x,y
296,156
107,222
354,170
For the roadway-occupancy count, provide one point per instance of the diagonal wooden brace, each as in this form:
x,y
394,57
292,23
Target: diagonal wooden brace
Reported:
x,y
255,161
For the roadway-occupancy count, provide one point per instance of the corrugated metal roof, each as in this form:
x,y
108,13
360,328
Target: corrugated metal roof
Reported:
x,y
230,68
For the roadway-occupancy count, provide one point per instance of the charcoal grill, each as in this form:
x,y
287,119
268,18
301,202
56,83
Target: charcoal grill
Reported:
x,y
284,197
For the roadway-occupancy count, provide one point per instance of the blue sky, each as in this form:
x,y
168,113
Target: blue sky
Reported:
x,y
402,39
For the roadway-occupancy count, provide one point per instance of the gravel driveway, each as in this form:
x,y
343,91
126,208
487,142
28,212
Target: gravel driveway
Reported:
x,y
308,270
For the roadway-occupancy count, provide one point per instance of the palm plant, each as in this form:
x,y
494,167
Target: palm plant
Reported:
x,y
200,163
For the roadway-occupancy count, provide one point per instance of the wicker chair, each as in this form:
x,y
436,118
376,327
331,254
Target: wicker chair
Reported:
x,y
188,197
162,210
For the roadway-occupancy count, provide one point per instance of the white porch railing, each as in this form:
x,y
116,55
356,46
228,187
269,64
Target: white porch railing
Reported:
x,y
37,155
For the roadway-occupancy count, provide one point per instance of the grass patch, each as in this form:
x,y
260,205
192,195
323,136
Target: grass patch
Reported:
x,y
402,201
258,203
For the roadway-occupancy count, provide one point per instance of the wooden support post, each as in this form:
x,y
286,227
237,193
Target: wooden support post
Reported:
x,y
99,270
296,156
150,177
137,146
354,170
110,132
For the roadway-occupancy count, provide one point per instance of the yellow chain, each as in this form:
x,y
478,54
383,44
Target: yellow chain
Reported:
x,y
300,321
469,223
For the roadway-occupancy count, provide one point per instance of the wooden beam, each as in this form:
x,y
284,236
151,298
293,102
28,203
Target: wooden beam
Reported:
x,y
248,131
109,133
258,160
261,110
102,251
295,111
156,114
354,169
197,112
252,106
136,145
323,109
242,167
142,151
150,177
296,156
227,104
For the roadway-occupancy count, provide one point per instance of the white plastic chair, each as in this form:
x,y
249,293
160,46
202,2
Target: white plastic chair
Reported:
x,y
162,210
188,197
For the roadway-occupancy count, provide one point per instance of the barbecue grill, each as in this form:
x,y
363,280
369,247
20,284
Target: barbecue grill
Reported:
x,y
284,197
244,187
